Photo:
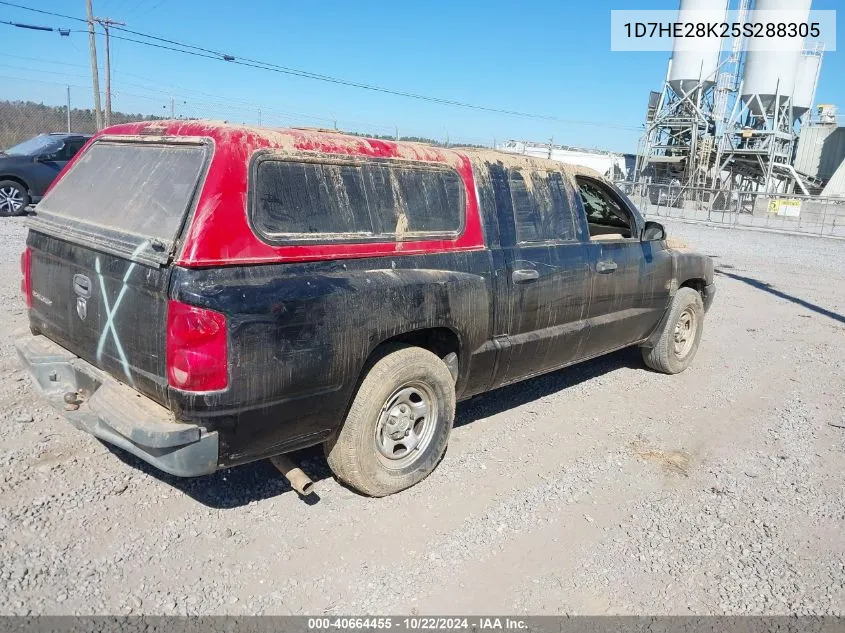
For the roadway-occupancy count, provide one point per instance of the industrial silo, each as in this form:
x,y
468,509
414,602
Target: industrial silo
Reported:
x,y
691,67
806,79
771,64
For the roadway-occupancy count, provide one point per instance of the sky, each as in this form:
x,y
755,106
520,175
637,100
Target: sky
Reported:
x,y
546,57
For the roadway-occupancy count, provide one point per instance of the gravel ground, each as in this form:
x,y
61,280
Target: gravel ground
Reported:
x,y
605,488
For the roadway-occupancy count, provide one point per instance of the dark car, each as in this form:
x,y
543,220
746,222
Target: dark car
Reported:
x,y
27,170
205,295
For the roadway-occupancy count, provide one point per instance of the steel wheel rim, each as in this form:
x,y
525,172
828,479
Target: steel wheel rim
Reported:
x,y
684,335
11,199
406,425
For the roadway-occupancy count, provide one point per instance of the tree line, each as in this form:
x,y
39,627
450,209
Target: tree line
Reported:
x,y
20,120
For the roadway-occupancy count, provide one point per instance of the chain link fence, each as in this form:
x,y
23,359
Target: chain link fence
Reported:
x,y
23,118
58,108
814,215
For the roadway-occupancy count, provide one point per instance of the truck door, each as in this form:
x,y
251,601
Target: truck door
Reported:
x,y
629,277
547,272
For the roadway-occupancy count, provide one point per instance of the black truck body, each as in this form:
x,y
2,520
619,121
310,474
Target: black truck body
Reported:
x,y
179,324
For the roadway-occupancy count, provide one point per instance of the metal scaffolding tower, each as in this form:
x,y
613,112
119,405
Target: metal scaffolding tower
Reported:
x,y
677,144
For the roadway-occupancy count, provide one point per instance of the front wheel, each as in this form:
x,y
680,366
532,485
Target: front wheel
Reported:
x,y
399,423
14,198
681,334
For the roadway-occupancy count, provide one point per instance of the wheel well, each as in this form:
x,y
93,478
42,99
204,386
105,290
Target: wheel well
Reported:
x,y
438,340
17,180
696,284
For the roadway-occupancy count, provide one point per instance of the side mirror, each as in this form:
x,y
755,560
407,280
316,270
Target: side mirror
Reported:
x,y
653,232
45,158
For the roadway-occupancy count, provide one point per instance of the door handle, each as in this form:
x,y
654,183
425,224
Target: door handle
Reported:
x,y
522,276
606,266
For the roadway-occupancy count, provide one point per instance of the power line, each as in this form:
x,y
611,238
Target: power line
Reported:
x,y
44,61
215,101
199,51
152,8
254,63
209,54
169,48
36,27
45,72
155,86
57,15
133,8
46,83
224,56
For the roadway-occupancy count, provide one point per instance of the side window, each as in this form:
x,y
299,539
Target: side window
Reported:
x,y
541,206
431,199
65,151
349,201
606,216
310,198
53,153
72,148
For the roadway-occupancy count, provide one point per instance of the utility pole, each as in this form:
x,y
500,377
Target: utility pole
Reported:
x,y
107,23
95,79
68,108
172,108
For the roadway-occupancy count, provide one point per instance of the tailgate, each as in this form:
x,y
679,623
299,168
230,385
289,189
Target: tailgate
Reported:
x,y
99,252
103,308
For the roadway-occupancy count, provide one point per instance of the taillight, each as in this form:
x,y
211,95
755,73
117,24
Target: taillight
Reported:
x,y
197,350
26,271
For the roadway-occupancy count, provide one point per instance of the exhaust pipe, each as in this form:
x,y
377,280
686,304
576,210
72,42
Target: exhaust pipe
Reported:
x,y
299,481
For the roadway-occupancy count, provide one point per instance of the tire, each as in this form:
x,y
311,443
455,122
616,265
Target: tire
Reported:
x,y
14,198
364,454
681,334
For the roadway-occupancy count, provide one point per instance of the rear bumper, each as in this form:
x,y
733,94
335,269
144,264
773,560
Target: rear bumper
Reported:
x,y
707,295
116,413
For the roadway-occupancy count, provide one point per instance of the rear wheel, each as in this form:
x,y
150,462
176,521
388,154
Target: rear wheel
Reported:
x,y
14,198
681,334
398,425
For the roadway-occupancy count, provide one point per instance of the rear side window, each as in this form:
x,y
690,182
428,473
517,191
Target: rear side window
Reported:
x,y
541,206
293,201
138,188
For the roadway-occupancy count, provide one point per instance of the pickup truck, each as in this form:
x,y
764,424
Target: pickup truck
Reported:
x,y
204,295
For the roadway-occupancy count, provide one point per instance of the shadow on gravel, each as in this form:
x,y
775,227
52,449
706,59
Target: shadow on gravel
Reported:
x,y
239,486
766,287
500,400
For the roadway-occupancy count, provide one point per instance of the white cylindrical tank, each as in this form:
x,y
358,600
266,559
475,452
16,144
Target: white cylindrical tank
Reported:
x,y
769,73
805,84
697,62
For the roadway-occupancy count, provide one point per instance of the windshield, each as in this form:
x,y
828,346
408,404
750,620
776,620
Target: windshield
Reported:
x,y
139,188
41,144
